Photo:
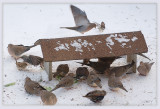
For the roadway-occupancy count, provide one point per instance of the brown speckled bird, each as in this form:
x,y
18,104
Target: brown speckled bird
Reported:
x,y
48,98
96,95
114,83
21,65
62,70
82,73
82,23
144,68
33,60
93,80
33,87
16,50
67,81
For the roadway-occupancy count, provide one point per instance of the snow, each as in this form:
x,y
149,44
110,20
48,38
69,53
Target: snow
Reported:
x,y
26,23
122,38
134,38
77,45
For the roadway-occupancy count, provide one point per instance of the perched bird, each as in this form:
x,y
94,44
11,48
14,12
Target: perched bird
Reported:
x,y
101,26
114,82
144,68
121,70
96,95
93,80
33,87
67,81
48,98
82,23
21,65
33,60
108,60
100,67
16,50
82,73
62,70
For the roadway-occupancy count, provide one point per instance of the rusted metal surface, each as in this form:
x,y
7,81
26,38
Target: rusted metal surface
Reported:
x,y
93,46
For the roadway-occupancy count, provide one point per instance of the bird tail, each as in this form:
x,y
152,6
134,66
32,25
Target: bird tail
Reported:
x,y
82,63
72,28
123,89
144,56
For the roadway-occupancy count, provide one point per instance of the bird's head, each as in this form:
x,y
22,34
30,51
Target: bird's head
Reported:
x,y
28,79
9,45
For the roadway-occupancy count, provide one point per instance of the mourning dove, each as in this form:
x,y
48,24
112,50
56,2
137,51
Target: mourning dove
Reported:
x,y
33,87
93,80
21,65
82,73
67,81
96,95
114,83
16,50
144,68
62,70
48,98
33,60
82,23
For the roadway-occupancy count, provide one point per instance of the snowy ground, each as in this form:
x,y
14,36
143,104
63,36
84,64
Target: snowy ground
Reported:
x,y
26,23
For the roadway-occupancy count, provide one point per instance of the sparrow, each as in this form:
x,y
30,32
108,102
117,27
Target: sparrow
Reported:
x,y
93,80
48,98
33,60
114,82
101,26
96,95
67,81
33,87
82,23
82,73
62,70
144,68
21,65
16,50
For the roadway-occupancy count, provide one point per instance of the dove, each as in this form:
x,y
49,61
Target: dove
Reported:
x,y
96,95
33,87
16,50
33,60
67,81
93,80
114,82
48,98
144,68
21,65
62,70
82,73
82,23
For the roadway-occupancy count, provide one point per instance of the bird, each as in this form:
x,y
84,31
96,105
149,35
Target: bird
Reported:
x,y
33,87
61,70
114,82
21,65
121,70
85,61
101,26
93,80
33,60
48,98
144,68
96,95
16,50
82,23
67,81
82,73
108,60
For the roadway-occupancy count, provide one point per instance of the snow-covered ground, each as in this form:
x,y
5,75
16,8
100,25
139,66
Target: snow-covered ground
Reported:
x,y
26,23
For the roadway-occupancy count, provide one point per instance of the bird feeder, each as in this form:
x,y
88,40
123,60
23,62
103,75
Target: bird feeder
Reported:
x,y
92,46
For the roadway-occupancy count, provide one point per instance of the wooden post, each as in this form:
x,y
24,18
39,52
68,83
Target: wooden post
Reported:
x,y
134,58
48,69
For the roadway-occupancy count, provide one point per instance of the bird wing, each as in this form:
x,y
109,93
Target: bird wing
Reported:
x,y
80,16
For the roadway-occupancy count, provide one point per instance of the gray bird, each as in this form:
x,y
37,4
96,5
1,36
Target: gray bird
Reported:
x,y
93,80
16,50
33,60
67,81
33,87
114,82
62,70
82,23
96,95
82,73
144,68
48,98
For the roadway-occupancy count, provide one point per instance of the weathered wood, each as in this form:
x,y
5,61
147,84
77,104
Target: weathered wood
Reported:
x,y
129,60
48,69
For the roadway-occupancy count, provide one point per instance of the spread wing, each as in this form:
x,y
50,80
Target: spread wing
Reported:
x,y
80,16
